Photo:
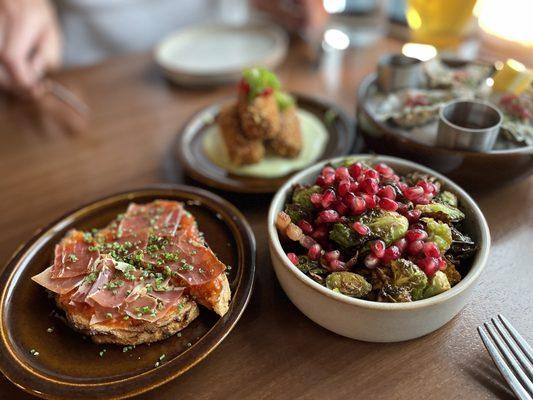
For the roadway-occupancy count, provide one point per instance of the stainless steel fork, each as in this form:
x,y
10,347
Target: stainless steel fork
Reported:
x,y
511,354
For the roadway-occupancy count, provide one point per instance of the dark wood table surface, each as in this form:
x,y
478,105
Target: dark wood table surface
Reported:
x,y
51,161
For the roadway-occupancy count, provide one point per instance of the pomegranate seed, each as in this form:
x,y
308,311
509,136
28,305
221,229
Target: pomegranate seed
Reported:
x,y
428,187
384,169
370,201
348,198
341,207
402,186
371,261
413,193
413,215
402,209
360,228
369,186
416,234
307,241
328,198
321,232
414,248
394,178
387,192
314,252
356,170
442,264
328,216
377,247
354,186
316,199
331,256
372,174
401,244
329,179
429,265
320,181
418,225
431,250
336,266
342,173
328,170
388,204
344,187
293,258
424,199
391,253
306,227
358,205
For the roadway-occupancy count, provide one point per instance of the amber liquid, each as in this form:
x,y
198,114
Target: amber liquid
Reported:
x,y
441,23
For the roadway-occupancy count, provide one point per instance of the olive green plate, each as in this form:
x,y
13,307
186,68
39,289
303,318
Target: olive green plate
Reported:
x,y
69,364
188,149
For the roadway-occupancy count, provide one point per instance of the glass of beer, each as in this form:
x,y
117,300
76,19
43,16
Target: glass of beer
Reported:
x,y
441,23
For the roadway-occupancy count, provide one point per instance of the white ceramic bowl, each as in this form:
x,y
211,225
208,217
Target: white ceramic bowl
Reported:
x,y
368,320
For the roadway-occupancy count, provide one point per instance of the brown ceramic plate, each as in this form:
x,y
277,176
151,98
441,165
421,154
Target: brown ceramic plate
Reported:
x,y
189,151
69,365
475,171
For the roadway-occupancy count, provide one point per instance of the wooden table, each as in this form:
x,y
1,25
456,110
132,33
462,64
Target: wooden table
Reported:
x,y
275,352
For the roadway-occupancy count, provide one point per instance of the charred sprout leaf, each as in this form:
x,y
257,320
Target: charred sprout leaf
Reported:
x,y
296,212
388,226
439,233
446,197
454,277
406,274
348,283
462,245
437,284
345,236
441,211
394,294
312,269
414,177
302,196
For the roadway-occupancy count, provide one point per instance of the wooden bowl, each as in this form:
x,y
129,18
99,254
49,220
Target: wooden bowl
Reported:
x,y
69,365
474,171
188,150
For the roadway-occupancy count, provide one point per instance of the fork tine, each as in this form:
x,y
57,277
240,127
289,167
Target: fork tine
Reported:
x,y
515,385
518,338
526,365
509,358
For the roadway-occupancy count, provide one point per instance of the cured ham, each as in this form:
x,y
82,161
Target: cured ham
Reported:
x,y
146,264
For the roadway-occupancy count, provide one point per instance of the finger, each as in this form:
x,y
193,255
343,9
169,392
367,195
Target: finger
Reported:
x,y
19,40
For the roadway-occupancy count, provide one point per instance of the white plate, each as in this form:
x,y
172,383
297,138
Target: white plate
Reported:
x,y
217,53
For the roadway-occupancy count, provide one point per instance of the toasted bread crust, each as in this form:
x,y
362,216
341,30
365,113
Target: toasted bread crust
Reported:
x,y
145,332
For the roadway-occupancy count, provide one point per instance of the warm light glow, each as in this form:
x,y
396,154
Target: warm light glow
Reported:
x,y
423,52
334,6
509,19
336,39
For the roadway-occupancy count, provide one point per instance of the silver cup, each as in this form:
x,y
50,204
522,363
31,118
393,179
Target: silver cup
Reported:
x,y
468,125
396,71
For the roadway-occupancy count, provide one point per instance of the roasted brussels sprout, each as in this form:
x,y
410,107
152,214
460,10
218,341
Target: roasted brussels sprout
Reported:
x,y
438,232
441,211
388,226
345,236
394,294
406,274
312,269
462,245
446,197
437,284
296,212
302,196
454,277
348,283
413,178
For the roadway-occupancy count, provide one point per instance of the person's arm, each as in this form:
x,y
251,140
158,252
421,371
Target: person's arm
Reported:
x,y
295,15
30,43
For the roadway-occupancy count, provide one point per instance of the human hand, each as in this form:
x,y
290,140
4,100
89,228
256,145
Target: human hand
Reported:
x,y
30,44
295,15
